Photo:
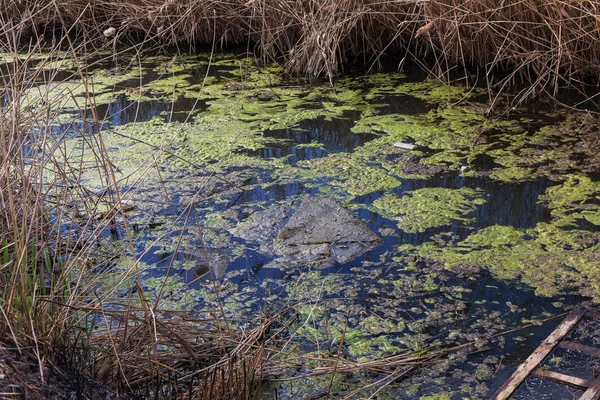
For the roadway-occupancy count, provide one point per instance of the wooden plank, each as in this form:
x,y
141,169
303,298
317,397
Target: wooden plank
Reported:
x,y
593,392
582,348
562,378
532,362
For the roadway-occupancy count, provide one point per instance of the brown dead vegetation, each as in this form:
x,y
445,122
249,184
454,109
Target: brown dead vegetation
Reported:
x,y
546,43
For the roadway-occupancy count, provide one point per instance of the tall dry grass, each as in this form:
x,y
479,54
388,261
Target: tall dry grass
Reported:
x,y
543,43
52,308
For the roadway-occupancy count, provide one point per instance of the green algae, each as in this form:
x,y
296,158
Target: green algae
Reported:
x,y
544,151
351,174
438,92
375,159
212,141
233,124
240,120
392,324
178,145
452,132
426,208
575,199
320,320
459,135
169,85
553,257
439,396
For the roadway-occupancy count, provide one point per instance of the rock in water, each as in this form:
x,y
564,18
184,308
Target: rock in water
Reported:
x,y
211,264
321,232
262,227
321,220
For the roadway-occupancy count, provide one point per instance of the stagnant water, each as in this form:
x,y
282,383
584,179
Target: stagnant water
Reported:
x,y
458,264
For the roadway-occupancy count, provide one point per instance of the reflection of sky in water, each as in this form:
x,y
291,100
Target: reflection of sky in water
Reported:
x,y
125,110
322,136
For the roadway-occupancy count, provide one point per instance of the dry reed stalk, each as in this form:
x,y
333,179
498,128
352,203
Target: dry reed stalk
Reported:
x,y
541,42
40,272
200,357
46,297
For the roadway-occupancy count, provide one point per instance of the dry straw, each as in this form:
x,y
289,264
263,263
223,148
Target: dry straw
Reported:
x,y
545,43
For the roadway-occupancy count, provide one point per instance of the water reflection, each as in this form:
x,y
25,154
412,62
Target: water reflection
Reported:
x,y
313,139
402,104
124,110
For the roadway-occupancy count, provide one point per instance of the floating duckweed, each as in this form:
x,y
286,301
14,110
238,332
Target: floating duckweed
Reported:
x,y
433,90
576,198
429,207
439,396
169,84
552,256
352,174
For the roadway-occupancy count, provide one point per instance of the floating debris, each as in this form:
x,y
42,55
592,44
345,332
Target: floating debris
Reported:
x,y
532,366
406,146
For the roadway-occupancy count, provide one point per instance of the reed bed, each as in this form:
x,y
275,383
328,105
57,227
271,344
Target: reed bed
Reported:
x,y
52,309
544,44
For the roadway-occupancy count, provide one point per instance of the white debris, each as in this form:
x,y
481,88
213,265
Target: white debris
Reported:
x,y
110,32
406,146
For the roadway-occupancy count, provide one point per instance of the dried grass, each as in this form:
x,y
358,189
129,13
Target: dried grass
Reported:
x,y
543,43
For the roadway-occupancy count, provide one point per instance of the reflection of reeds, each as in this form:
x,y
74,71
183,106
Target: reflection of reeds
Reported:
x,y
545,43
